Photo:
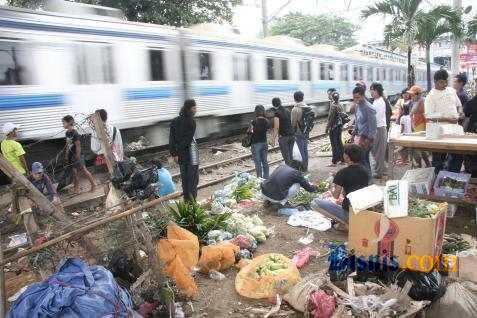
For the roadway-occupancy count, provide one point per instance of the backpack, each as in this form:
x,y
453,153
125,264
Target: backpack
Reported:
x,y
307,121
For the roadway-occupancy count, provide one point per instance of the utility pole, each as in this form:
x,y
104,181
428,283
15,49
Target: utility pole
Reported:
x,y
457,4
264,18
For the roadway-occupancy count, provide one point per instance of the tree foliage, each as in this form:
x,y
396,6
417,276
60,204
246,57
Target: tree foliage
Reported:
x,y
316,29
169,12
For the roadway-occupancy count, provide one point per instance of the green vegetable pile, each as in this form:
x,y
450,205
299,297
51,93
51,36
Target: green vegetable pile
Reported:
x,y
454,243
423,208
303,197
322,187
243,192
452,184
193,217
273,266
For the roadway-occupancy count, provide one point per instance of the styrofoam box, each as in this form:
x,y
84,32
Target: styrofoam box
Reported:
x,y
420,180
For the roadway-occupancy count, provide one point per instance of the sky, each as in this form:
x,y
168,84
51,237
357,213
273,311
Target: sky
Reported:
x,y
249,19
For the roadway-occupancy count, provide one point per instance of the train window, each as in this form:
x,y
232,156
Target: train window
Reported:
x,y
357,73
241,65
12,72
344,72
369,76
205,66
94,63
327,71
305,70
156,63
277,69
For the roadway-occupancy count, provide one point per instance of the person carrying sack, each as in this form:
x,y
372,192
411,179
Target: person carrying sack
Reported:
x,y
303,121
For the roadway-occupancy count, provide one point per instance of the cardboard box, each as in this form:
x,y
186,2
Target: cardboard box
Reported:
x,y
413,243
462,267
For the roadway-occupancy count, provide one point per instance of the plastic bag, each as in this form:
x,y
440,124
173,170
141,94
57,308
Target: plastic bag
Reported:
x,y
217,257
249,283
245,242
425,286
299,294
296,155
179,254
322,304
338,269
302,257
459,301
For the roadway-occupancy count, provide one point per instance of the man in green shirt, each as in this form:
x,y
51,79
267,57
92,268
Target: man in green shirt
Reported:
x,y
12,150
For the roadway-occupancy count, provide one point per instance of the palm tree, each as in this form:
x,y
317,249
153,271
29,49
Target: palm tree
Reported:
x,y
432,25
403,26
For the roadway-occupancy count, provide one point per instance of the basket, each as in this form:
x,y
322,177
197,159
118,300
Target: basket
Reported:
x,y
461,181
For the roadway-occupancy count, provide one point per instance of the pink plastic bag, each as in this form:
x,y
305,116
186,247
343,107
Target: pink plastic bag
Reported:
x,y
302,257
323,305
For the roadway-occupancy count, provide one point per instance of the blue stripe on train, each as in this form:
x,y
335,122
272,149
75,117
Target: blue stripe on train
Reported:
x,y
271,88
213,90
12,102
148,93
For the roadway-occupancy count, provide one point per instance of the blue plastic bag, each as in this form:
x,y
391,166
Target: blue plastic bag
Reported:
x,y
76,290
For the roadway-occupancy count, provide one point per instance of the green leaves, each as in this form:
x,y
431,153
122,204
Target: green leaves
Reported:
x,y
316,29
168,12
193,217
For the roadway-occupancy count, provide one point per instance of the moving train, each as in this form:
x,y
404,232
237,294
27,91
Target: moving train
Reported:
x,y
59,62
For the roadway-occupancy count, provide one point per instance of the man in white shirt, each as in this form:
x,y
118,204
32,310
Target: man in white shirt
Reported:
x,y
381,141
442,105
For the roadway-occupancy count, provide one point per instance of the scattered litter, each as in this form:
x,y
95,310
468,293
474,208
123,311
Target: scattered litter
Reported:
x,y
17,240
308,239
238,223
218,236
75,214
275,309
14,297
310,219
322,305
245,254
302,257
459,301
299,294
245,242
179,312
140,144
215,275
287,211
425,286
142,253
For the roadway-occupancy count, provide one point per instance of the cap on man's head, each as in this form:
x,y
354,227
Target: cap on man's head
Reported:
x,y
9,127
37,167
415,90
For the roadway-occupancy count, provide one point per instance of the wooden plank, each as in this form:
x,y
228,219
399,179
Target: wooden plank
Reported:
x,y
3,297
450,144
431,197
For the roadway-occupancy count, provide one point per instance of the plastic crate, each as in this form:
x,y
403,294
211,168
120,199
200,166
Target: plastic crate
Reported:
x,y
420,180
462,178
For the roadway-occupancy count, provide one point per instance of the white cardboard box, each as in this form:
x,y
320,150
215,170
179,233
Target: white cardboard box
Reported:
x,y
420,180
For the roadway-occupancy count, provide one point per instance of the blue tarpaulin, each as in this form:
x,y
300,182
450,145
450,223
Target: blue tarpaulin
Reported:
x,y
76,290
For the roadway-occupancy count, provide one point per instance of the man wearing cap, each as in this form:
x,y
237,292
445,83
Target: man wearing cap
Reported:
x,y
12,150
43,183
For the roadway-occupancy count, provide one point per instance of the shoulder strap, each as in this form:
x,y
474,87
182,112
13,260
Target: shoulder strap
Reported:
x,y
114,134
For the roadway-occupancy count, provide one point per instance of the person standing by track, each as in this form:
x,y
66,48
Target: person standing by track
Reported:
x,y
302,122
283,130
258,130
334,127
183,148
381,140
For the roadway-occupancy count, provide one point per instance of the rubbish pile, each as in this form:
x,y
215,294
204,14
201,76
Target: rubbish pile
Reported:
x,y
140,144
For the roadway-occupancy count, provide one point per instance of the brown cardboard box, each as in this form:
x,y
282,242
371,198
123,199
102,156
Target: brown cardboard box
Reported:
x,y
465,267
414,243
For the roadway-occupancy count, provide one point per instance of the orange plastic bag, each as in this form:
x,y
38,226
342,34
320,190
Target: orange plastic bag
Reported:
x,y
249,283
179,254
218,257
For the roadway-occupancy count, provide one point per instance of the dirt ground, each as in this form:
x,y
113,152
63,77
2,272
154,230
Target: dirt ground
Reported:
x,y
219,298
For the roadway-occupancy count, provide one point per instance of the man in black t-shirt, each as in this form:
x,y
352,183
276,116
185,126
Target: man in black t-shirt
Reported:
x,y
347,180
282,129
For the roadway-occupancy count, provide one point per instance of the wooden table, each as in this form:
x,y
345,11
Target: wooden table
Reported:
x,y
466,145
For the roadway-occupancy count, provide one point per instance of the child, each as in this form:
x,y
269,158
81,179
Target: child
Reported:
x,y
12,150
73,154
406,128
43,183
